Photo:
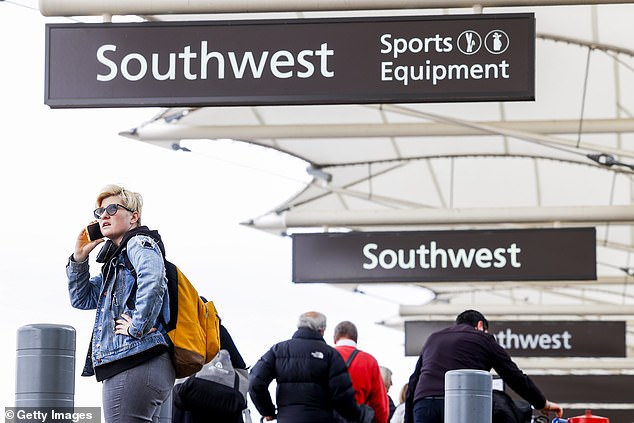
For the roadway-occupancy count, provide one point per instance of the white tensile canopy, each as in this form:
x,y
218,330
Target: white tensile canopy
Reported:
x,y
563,160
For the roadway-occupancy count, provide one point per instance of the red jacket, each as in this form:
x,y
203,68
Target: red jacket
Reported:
x,y
367,382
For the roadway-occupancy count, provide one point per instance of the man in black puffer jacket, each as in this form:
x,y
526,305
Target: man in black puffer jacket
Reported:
x,y
312,378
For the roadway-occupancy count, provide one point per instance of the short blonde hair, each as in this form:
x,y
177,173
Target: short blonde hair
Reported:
x,y
129,199
403,394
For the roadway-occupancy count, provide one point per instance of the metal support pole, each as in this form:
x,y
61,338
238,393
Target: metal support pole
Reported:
x,y
579,215
45,370
173,7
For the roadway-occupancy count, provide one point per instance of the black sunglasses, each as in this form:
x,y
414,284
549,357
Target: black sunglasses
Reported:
x,y
110,209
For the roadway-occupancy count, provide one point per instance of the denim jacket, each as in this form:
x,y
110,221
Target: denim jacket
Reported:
x,y
109,294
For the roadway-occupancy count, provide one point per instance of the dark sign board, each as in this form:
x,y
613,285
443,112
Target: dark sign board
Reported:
x,y
437,256
537,338
296,61
579,389
417,332
607,396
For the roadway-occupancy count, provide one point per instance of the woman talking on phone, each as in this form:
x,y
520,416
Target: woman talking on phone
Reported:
x,y
128,351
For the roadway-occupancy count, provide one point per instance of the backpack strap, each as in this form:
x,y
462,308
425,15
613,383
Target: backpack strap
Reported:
x,y
128,265
236,380
351,357
130,302
349,362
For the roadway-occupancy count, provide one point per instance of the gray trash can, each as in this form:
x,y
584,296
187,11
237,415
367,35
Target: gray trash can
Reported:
x,y
45,368
468,397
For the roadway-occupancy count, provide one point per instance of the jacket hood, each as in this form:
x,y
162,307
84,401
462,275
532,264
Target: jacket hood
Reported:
x,y
110,250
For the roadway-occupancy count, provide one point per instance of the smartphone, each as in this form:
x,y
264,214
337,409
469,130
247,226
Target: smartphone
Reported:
x,y
94,232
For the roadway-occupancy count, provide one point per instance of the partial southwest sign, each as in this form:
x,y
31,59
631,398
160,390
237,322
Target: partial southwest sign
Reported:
x,y
446,58
440,256
537,338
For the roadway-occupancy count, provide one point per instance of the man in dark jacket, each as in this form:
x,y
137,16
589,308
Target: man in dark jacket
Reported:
x,y
466,345
312,378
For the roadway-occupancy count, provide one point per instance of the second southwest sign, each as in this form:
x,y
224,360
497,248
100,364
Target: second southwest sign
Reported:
x,y
437,256
537,338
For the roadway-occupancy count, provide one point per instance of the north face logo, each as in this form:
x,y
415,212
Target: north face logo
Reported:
x,y
317,354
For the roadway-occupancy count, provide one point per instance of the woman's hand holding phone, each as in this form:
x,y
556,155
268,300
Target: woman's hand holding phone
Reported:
x,y
85,242
94,231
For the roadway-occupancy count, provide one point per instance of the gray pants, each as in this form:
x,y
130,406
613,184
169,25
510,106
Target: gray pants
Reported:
x,y
136,395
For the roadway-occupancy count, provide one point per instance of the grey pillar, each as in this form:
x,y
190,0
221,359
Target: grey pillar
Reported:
x,y
45,370
468,397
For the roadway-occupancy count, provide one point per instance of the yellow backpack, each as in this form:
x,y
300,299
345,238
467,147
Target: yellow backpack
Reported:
x,y
193,327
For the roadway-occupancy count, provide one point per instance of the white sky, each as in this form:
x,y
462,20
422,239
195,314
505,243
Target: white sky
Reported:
x,y
52,163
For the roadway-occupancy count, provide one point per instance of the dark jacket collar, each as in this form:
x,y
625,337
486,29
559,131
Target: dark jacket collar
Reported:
x,y
110,250
307,333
